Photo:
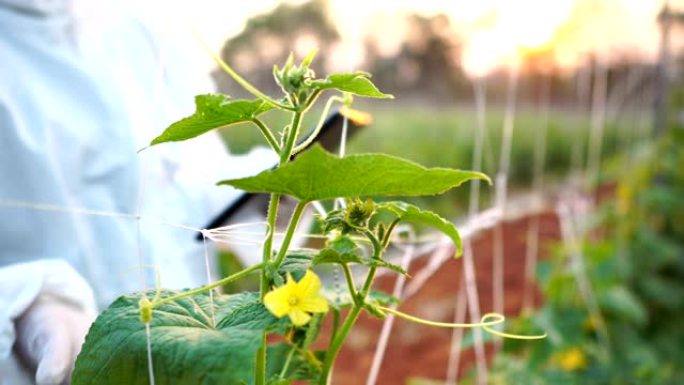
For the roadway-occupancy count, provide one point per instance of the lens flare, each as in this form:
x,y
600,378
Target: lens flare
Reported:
x,y
511,28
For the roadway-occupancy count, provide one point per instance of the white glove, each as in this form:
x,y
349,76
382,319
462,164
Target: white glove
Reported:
x,y
46,308
49,336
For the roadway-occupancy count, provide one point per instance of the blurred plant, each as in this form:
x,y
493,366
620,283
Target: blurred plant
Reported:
x,y
637,274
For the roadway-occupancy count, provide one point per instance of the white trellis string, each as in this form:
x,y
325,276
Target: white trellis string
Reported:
x,y
598,120
571,239
387,325
635,79
320,210
480,222
17,204
470,285
618,102
158,86
457,337
501,194
572,215
209,278
150,366
583,89
532,244
343,150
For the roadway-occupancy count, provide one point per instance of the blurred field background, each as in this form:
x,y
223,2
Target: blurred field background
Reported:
x,y
442,136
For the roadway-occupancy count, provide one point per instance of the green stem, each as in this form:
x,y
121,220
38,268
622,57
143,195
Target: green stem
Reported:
x,y
292,226
286,151
244,83
377,247
321,122
350,280
335,325
210,286
260,362
340,336
310,101
286,366
268,135
260,359
388,235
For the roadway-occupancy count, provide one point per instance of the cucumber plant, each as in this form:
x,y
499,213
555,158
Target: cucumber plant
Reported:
x,y
266,337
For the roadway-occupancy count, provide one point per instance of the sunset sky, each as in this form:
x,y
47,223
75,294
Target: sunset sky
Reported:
x,y
494,32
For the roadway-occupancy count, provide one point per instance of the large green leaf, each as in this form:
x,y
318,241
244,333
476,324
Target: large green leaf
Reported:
x,y
411,213
186,347
318,174
212,111
357,83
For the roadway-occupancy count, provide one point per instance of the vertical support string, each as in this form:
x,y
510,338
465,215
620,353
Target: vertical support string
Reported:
x,y
469,279
571,239
209,278
150,365
156,97
583,88
501,191
387,325
532,244
343,149
598,120
457,336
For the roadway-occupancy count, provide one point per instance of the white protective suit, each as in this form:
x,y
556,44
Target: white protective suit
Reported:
x,y
77,100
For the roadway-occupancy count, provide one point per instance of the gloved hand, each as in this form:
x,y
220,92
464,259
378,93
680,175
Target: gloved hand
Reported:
x,y
49,336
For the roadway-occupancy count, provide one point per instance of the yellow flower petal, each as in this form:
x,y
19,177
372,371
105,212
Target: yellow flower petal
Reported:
x,y
299,317
573,359
277,300
297,299
309,285
316,304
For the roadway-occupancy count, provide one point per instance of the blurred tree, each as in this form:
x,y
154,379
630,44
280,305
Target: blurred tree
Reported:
x,y
426,67
270,37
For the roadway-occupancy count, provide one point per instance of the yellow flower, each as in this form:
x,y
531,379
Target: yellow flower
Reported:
x,y
572,359
297,299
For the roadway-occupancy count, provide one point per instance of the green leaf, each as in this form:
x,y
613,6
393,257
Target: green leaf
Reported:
x,y
297,262
317,175
303,366
385,264
411,213
333,256
186,347
357,83
212,111
342,250
313,330
623,304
